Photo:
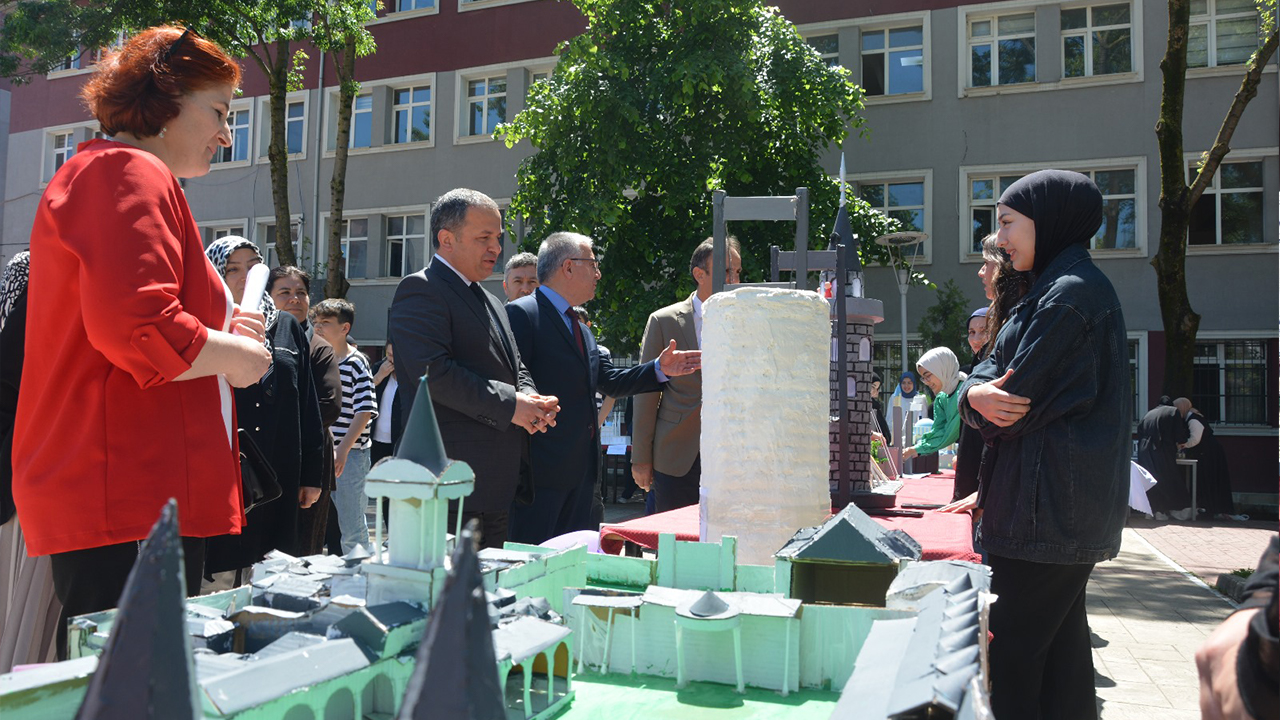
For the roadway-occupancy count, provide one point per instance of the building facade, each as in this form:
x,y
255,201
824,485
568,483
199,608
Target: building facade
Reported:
x,y
962,100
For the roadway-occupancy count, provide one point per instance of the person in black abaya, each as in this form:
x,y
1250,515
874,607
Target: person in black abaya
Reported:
x,y
1212,474
1160,432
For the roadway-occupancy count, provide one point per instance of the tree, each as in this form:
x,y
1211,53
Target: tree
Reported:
x,y
657,104
341,33
38,34
1177,196
946,322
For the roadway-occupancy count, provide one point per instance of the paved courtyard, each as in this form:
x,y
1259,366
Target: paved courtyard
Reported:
x,y
1148,615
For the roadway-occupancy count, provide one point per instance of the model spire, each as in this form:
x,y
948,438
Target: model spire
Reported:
x,y
421,442
145,672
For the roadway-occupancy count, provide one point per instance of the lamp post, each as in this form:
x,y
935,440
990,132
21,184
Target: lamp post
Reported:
x,y
897,244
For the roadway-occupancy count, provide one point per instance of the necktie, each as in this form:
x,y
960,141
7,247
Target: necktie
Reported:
x,y
577,331
494,325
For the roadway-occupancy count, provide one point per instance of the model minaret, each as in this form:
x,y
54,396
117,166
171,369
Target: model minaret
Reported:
x,y
419,481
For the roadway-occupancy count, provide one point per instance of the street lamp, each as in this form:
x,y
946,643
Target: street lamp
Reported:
x,y
898,243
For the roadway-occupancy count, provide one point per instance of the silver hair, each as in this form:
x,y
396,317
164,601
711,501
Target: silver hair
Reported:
x,y
557,248
450,210
519,260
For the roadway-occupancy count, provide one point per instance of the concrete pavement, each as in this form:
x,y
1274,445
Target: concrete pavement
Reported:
x,y
1148,616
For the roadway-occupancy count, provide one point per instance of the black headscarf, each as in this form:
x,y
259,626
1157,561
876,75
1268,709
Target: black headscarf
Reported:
x,y
1065,206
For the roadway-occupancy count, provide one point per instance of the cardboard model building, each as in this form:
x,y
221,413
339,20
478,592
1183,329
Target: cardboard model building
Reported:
x,y
415,631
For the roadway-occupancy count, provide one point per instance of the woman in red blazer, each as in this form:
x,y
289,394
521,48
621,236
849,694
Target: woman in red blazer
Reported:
x,y
126,397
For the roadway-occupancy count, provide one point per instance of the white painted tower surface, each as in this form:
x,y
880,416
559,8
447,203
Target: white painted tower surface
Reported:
x,y
765,417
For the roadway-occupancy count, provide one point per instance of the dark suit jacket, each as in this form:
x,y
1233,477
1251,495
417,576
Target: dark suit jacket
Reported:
x,y
566,455
441,329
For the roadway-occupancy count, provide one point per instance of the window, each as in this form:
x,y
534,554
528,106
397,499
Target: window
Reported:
x,y
486,105
269,245
216,232
1119,209
362,121
295,117
903,201
412,110
1222,32
64,146
886,361
893,60
1230,210
1097,41
407,5
536,77
1002,50
984,191
355,246
1229,381
828,46
70,62
238,121
406,239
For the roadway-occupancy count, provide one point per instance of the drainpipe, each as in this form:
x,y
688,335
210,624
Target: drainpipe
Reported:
x,y
315,166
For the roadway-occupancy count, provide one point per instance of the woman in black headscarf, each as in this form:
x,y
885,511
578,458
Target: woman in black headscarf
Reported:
x,y
1054,397
282,414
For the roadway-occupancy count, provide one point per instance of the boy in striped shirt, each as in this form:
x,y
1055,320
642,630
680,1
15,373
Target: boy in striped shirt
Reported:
x,y
332,320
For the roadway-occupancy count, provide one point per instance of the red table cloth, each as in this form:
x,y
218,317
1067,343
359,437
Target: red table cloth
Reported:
x,y
942,536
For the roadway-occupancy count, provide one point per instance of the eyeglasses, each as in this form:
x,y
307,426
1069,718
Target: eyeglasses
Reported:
x,y
594,261
168,53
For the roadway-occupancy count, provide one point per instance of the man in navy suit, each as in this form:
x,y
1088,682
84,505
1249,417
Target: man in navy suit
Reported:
x,y
564,360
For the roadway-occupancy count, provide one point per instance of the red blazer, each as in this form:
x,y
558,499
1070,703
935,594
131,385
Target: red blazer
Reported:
x,y
120,300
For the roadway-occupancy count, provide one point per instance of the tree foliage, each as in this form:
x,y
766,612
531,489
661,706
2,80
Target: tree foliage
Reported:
x,y
946,322
656,105
1178,196
38,35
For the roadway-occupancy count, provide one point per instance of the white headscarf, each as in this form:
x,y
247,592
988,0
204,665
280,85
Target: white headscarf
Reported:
x,y
942,363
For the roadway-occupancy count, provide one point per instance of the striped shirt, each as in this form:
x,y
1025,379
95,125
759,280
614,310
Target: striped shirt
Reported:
x,y
357,397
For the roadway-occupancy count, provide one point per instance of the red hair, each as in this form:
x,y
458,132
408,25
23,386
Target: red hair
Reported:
x,y
137,88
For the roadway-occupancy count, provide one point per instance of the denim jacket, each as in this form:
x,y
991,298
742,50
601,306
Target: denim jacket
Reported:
x,y
1059,485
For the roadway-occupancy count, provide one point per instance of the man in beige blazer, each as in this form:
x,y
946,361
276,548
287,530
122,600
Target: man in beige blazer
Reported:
x,y
666,424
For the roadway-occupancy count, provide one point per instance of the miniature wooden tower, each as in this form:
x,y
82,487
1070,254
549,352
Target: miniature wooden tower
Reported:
x,y
418,481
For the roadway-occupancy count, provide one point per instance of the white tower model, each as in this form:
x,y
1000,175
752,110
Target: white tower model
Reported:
x,y
765,417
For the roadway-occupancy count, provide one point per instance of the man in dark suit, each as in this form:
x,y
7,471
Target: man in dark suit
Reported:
x,y
452,330
562,355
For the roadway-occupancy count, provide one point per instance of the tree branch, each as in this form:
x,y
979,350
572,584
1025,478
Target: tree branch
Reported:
x,y
1221,144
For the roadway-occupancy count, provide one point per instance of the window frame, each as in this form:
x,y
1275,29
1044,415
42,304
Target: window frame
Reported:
x,y
346,239
828,58
80,132
1269,244
384,270
515,103
383,91
1136,163
1142,378
263,124
464,105
469,5
1220,337
260,238
246,106
923,18
351,135
1210,21
887,28
994,41
431,113
1042,84
925,176
1087,33
209,228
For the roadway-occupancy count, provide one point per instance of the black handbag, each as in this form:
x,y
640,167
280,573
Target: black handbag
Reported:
x,y
256,476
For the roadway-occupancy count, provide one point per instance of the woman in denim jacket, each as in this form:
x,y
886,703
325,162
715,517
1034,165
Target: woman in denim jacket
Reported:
x,y
1054,399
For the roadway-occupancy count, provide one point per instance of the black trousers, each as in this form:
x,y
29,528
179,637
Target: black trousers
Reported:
x,y
92,580
493,525
1041,661
677,491
554,512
